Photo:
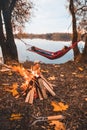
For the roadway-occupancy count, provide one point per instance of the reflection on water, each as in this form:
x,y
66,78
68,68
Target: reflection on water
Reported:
x,y
44,44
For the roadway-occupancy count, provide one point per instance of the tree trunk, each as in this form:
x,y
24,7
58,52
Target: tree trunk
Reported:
x,y
11,49
74,28
84,54
2,38
85,50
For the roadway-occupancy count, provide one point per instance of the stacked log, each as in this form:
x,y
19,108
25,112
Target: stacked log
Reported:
x,y
40,86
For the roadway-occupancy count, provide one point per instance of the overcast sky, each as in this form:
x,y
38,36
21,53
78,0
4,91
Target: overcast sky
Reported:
x,y
49,16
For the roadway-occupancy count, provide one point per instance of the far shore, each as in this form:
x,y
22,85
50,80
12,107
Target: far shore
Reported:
x,y
48,36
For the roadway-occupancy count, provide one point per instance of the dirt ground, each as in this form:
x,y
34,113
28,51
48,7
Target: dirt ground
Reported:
x,y
70,80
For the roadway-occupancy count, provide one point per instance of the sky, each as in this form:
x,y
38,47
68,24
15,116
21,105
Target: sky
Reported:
x,y
49,16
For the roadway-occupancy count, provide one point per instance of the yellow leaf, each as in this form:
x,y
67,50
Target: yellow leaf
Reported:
x,y
80,68
59,106
13,90
16,116
58,125
52,78
85,99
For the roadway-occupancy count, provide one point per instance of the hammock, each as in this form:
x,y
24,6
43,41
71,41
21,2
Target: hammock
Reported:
x,y
52,55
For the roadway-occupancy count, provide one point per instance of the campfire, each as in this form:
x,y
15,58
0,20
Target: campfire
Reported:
x,y
35,84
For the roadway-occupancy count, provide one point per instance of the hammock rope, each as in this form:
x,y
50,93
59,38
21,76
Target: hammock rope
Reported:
x,y
26,44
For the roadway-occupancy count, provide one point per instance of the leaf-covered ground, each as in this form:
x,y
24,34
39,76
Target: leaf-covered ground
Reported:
x,y
70,80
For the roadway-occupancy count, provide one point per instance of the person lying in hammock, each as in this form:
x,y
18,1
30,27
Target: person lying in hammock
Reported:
x,y
40,50
65,47
33,48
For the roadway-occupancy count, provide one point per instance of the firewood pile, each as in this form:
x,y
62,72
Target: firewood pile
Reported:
x,y
35,85
38,86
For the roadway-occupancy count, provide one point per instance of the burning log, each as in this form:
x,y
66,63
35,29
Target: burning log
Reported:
x,y
30,96
48,86
42,88
39,94
51,85
40,85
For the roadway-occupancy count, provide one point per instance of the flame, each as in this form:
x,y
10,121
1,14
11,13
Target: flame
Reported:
x,y
28,75
25,74
36,70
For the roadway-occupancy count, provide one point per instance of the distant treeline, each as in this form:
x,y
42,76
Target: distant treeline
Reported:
x,y
48,36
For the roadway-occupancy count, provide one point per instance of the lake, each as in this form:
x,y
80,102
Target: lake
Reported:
x,y
25,55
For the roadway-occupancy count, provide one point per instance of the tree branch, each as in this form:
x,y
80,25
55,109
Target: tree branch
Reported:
x,y
83,8
12,5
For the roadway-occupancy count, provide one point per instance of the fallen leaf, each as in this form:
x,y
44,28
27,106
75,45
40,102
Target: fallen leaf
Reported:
x,y
80,68
59,106
13,90
17,116
61,75
85,99
51,78
79,75
45,71
74,73
58,125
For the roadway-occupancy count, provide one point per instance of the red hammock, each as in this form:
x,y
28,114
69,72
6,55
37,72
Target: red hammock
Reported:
x,y
52,55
